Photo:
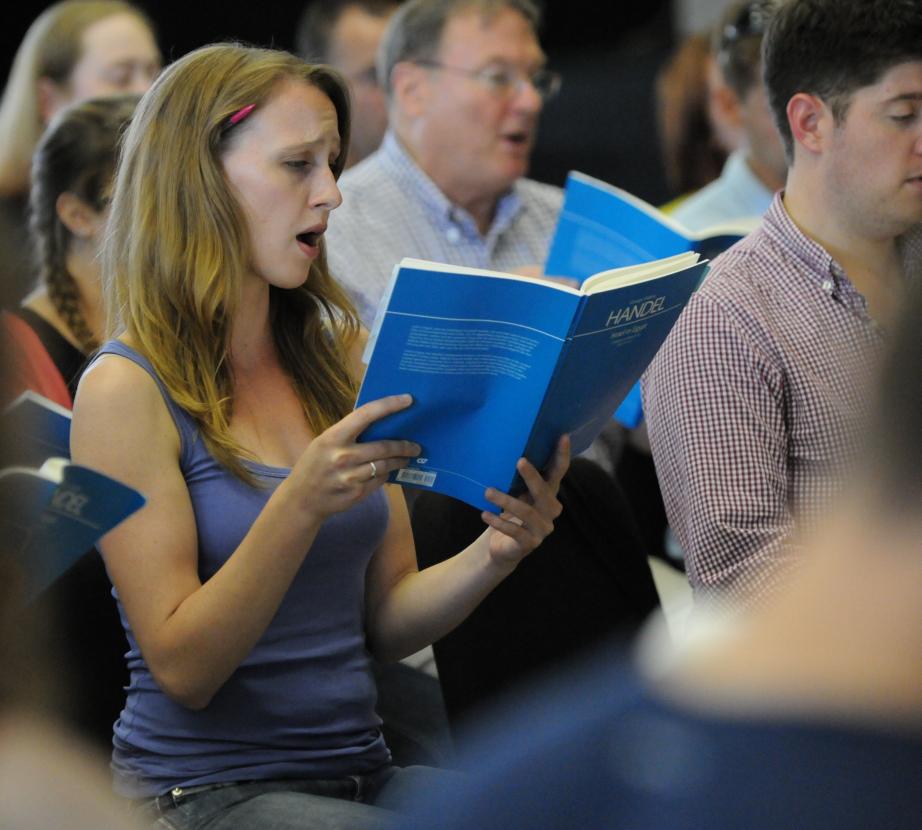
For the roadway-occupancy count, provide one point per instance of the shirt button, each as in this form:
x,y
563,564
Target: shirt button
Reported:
x,y
453,235
827,286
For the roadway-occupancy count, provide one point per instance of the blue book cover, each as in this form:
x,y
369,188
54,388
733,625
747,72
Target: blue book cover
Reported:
x,y
614,338
479,351
602,227
53,515
473,349
36,428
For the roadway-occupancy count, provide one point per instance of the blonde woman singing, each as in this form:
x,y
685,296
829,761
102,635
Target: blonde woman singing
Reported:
x,y
269,560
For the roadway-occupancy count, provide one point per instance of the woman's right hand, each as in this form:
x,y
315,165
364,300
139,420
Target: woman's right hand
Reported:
x,y
335,472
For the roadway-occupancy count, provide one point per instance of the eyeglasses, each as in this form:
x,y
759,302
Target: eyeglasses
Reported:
x,y
506,81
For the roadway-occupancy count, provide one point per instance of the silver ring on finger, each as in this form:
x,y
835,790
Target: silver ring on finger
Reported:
x,y
374,471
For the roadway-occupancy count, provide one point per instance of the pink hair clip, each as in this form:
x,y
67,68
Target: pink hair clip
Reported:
x,y
242,113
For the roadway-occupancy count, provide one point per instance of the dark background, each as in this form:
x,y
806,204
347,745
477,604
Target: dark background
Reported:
x,y
602,123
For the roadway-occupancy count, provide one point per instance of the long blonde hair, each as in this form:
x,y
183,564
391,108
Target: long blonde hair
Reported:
x,y
177,247
50,49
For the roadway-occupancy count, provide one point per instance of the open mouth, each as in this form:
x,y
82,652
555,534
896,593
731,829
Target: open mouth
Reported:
x,y
311,238
520,139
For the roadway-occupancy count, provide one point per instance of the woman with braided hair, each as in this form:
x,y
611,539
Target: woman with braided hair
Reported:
x,y
57,326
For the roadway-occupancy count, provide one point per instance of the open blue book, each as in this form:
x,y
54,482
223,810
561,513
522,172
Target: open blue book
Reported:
x,y
601,226
500,366
52,512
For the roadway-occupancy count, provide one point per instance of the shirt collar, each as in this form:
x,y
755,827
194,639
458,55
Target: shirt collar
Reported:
x,y
781,228
817,261
820,263
446,214
739,178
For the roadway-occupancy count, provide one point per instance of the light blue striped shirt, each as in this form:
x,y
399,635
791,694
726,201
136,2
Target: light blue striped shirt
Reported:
x,y
391,209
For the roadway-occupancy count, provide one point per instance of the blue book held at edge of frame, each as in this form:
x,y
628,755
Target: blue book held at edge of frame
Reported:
x,y
499,366
35,429
52,512
53,515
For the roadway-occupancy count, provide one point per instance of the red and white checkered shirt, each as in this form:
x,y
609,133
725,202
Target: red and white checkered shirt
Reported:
x,y
756,399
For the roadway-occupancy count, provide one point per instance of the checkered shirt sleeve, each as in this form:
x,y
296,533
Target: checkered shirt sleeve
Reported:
x,y
714,404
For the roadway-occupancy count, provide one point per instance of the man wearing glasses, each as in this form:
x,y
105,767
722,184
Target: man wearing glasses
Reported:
x,y
466,83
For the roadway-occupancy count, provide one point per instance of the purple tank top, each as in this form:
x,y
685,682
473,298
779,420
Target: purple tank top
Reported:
x,y
302,704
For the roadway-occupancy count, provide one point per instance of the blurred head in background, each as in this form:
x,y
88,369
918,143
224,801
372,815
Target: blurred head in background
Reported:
x,y
345,34
694,144
74,50
737,96
62,320
466,83
72,177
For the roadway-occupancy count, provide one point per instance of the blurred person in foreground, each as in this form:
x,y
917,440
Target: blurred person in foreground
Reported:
x,y
49,777
756,168
805,712
345,34
74,50
757,397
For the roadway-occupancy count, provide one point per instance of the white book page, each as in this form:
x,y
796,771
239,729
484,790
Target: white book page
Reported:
x,y
634,274
444,268
40,400
52,470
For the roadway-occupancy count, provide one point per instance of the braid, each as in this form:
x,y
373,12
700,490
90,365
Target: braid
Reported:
x,y
76,155
65,297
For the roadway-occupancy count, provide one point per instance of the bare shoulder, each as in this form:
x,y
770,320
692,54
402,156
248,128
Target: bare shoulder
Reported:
x,y
115,383
118,402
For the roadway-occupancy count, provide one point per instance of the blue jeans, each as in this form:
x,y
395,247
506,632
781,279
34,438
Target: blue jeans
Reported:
x,y
358,802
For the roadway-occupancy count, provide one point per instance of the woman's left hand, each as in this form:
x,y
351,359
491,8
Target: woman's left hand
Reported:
x,y
526,521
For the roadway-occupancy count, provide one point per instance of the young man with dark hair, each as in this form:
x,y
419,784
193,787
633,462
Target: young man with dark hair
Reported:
x,y
758,394
345,34
737,96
